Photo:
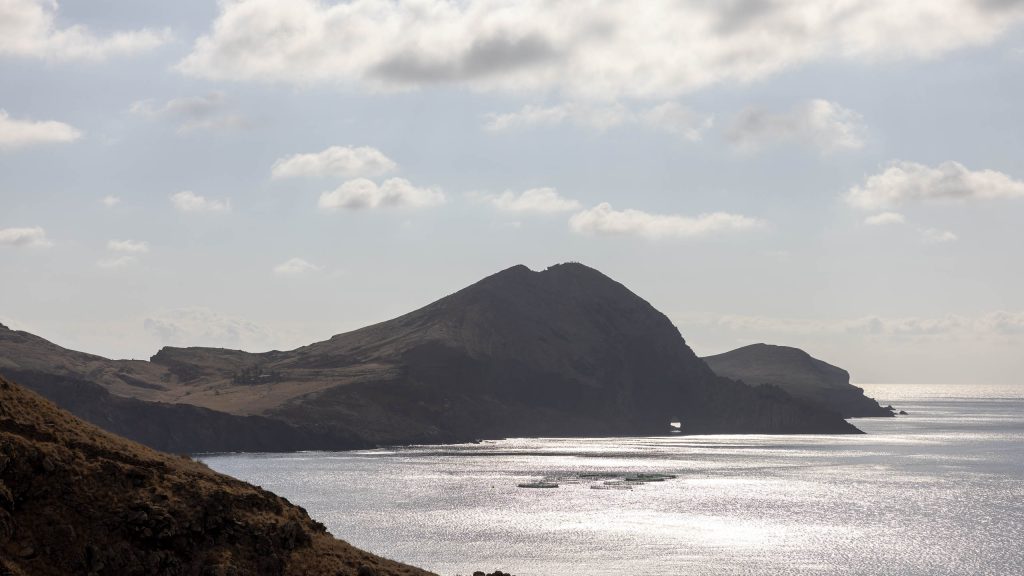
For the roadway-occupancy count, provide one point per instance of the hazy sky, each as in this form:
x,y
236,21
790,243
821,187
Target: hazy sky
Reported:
x,y
843,176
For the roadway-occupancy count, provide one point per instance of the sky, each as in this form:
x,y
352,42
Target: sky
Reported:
x,y
842,176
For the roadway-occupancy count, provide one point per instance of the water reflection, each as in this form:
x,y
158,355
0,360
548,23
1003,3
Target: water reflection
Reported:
x,y
937,492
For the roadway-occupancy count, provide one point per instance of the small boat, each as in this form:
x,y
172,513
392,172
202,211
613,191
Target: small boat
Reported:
x,y
538,485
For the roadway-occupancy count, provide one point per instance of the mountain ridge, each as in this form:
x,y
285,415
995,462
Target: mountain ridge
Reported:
x,y
565,351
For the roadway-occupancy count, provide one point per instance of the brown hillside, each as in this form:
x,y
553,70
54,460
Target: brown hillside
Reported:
x,y
77,500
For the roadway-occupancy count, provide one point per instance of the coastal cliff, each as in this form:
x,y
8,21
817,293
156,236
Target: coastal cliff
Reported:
x,y
565,351
799,374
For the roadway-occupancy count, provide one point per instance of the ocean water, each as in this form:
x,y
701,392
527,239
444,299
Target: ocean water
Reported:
x,y
940,491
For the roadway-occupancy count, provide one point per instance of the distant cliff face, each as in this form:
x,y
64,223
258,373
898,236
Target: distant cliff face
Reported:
x,y
798,373
77,500
562,352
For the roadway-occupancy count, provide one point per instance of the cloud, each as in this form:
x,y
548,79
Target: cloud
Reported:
x,y
24,133
295,267
193,113
593,116
676,119
819,124
28,30
538,200
904,182
110,201
204,327
602,219
996,323
529,116
116,262
582,50
23,237
128,246
934,236
392,193
341,161
668,117
885,218
188,201
129,250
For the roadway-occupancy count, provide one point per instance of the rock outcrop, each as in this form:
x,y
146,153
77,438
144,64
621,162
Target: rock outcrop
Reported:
x,y
562,352
799,374
77,500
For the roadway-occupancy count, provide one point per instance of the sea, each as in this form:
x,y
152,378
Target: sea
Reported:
x,y
938,491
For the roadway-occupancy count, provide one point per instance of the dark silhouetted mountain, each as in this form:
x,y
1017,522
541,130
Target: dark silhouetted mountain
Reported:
x,y
798,373
562,352
77,500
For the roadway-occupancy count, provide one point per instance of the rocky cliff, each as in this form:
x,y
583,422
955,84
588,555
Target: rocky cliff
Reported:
x,y
77,500
799,374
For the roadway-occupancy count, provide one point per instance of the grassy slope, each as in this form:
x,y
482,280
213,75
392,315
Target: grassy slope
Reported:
x,y
77,500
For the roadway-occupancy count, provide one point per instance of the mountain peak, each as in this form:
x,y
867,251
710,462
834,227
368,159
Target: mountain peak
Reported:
x,y
776,351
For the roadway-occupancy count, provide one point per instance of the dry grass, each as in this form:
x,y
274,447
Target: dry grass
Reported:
x,y
77,500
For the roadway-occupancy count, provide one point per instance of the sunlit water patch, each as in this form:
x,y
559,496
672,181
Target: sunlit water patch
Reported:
x,y
936,492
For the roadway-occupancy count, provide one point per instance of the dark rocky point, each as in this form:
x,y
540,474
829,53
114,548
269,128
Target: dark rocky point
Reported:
x,y
799,374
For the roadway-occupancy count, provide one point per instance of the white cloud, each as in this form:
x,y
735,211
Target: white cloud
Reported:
x,y
904,182
204,327
676,119
668,117
598,117
110,200
885,218
193,113
952,325
819,124
602,219
539,200
392,193
28,29
529,116
116,262
342,161
20,237
934,236
295,267
188,201
128,246
24,133
586,50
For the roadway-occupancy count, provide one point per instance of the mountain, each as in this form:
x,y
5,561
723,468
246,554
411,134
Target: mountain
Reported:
x,y
798,373
562,352
77,500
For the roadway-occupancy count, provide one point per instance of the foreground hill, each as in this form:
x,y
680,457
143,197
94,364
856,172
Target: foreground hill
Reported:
x,y
77,500
562,352
798,373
